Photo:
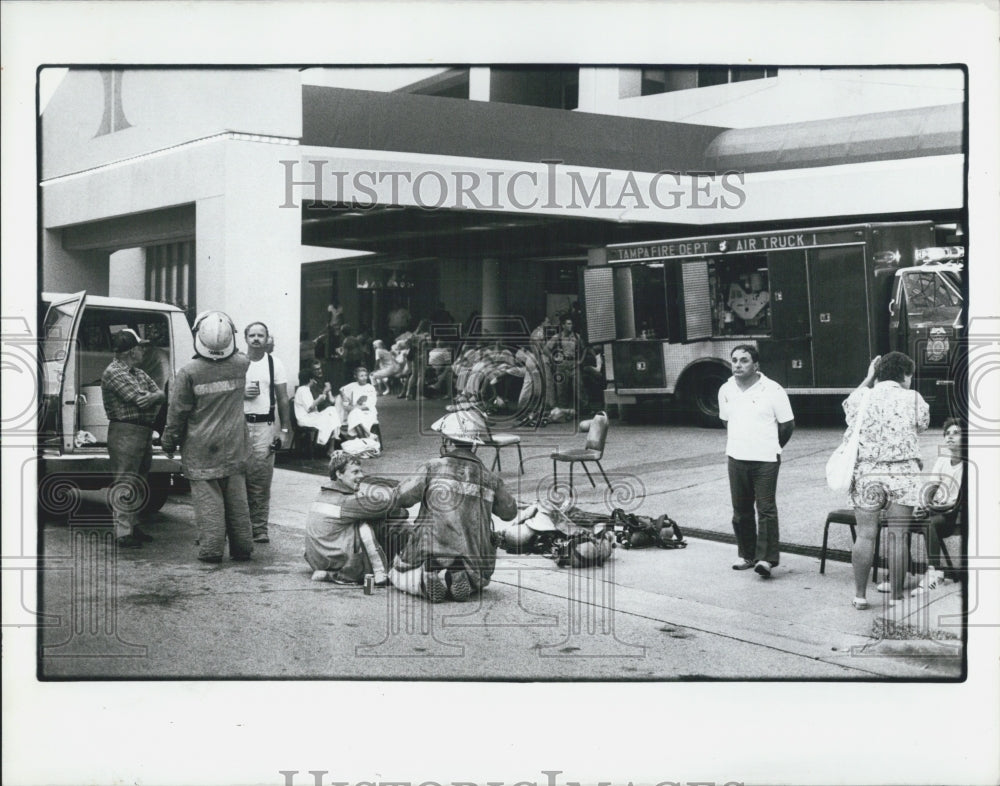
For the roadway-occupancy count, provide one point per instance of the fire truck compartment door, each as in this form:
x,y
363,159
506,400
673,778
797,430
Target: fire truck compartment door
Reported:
x,y
789,294
839,316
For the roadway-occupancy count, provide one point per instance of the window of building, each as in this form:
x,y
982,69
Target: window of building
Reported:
x,y
555,88
668,80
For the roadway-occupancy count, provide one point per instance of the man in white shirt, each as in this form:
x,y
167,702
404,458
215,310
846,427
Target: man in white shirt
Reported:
x,y
266,386
759,422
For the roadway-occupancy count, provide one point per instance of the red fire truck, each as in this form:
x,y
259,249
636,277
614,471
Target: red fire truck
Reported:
x,y
818,303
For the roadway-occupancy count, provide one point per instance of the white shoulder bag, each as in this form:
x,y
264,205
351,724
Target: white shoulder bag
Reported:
x,y
840,466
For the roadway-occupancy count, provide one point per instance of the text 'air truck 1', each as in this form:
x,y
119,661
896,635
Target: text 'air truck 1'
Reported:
x,y
818,304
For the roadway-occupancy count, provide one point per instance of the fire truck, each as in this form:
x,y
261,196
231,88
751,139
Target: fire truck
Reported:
x,y
818,303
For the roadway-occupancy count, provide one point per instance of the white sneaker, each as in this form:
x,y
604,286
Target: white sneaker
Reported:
x,y
321,575
883,586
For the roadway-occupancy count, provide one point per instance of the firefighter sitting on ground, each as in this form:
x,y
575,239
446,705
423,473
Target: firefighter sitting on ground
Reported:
x,y
340,543
450,550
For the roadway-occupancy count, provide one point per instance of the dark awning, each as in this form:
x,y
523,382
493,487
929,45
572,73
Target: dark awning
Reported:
x,y
368,120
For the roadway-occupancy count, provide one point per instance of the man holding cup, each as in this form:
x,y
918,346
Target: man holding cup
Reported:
x,y
266,389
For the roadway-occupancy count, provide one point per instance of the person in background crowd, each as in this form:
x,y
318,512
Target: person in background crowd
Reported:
x,y
539,338
450,550
336,312
350,355
530,400
592,382
576,314
887,472
205,420
399,321
131,401
565,352
437,377
359,404
266,388
759,423
419,342
155,359
386,368
941,510
340,544
315,407
441,315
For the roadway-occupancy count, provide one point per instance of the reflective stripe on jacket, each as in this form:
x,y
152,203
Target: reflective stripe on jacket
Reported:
x,y
205,418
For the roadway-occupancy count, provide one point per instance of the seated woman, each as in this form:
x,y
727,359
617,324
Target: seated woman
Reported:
x,y
940,508
358,403
340,542
401,351
387,368
314,404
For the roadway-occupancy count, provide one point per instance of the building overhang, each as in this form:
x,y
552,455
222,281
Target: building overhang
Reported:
x,y
411,205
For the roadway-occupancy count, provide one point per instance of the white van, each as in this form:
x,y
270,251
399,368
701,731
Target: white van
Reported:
x,y
75,349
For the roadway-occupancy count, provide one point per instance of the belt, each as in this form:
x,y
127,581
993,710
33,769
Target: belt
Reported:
x,y
268,418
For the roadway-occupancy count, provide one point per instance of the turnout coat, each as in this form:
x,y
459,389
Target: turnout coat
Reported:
x,y
458,497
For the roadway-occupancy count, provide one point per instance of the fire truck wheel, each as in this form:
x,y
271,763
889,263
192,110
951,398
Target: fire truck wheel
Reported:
x,y
701,393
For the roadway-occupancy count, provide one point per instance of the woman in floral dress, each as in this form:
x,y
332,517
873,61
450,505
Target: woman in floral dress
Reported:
x,y
887,476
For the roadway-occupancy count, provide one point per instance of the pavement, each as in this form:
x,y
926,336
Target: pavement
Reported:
x,y
646,614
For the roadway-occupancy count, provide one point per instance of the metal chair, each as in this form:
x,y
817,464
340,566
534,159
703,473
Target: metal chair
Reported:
x,y
497,441
593,450
303,437
846,516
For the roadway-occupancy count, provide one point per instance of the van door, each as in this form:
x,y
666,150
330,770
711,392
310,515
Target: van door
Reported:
x,y
60,397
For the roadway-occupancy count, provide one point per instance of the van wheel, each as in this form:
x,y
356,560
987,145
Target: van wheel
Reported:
x,y
701,394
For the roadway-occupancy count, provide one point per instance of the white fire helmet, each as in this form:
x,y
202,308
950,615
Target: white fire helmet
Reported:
x,y
214,336
466,425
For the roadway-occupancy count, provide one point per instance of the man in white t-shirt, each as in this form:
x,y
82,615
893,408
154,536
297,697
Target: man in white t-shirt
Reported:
x,y
266,389
759,422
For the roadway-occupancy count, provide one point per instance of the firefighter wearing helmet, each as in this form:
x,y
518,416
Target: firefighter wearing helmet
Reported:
x,y
450,552
205,421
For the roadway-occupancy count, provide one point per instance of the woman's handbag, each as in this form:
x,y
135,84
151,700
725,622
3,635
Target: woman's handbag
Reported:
x,y
840,466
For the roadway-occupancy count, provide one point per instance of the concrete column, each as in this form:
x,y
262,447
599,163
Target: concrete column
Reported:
x,y
249,249
479,83
492,305
599,90
127,273
629,82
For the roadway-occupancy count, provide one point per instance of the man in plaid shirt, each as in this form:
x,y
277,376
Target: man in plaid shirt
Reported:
x,y
131,401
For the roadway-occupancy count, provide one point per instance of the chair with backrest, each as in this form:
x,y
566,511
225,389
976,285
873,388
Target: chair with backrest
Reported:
x,y
593,450
846,516
497,440
303,437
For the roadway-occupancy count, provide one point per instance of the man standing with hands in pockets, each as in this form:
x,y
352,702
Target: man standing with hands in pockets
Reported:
x,y
759,423
266,386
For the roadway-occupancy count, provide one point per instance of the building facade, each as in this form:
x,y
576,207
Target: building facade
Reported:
x,y
271,193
